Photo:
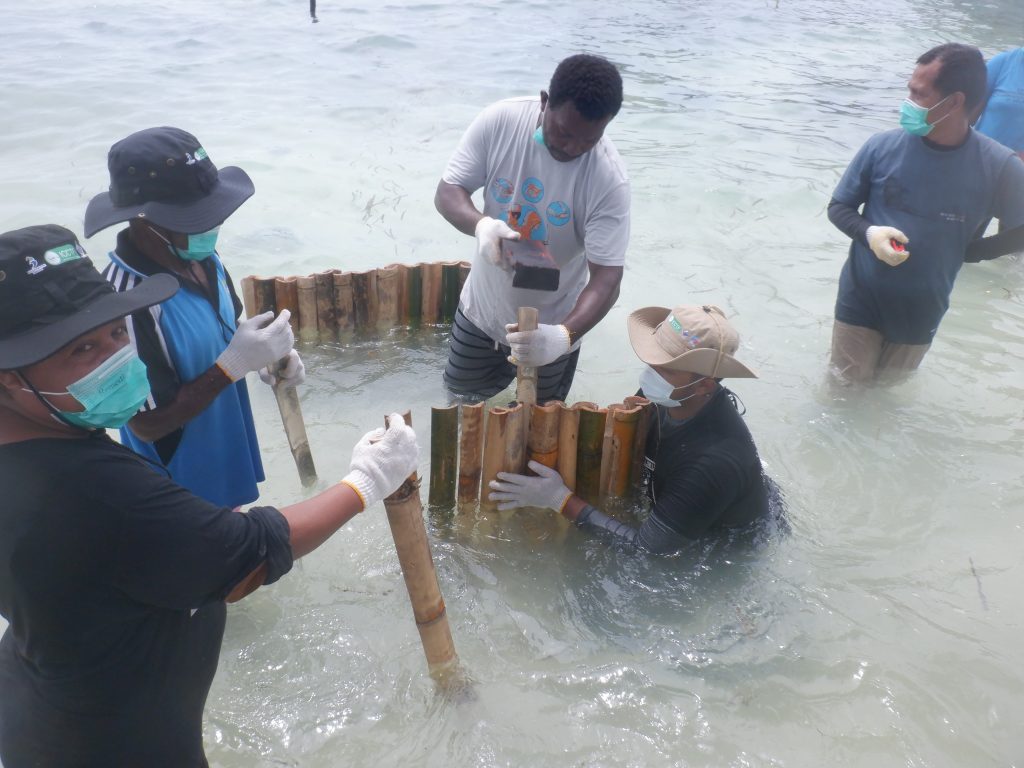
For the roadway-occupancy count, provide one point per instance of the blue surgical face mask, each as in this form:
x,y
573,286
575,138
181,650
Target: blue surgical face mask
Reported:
x,y
200,246
111,393
657,389
914,118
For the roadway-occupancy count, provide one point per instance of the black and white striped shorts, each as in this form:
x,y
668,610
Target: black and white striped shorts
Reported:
x,y
478,367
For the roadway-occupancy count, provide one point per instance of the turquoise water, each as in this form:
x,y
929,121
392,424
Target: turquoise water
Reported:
x,y
885,630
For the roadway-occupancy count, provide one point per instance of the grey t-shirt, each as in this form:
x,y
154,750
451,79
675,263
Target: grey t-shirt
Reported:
x,y
938,199
581,208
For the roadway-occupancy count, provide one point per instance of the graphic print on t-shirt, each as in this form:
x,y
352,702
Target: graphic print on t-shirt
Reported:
x,y
530,222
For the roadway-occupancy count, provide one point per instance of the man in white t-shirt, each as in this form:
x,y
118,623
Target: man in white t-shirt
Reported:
x,y
553,181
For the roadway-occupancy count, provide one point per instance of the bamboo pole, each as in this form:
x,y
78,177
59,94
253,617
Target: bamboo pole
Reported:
x,y
542,444
344,304
494,455
364,299
589,451
643,429
470,455
414,295
387,298
450,290
327,326
444,447
405,517
307,309
263,295
286,296
515,444
623,419
568,434
526,376
430,311
401,293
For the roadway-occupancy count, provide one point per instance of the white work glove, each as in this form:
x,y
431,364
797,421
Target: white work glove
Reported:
x,y
489,234
382,460
291,374
254,346
536,348
546,491
878,240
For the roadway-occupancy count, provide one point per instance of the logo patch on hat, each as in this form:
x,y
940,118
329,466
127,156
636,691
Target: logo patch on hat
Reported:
x,y
34,267
63,254
675,324
195,157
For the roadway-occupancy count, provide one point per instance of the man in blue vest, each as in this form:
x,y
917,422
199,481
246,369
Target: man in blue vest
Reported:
x,y
197,421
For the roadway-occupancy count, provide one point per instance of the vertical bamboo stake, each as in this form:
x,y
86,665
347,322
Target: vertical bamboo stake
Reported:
x,y
405,517
470,450
494,455
387,298
444,447
401,293
526,377
307,309
344,304
364,299
262,294
450,290
542,444
568,433
286,290
248,286
327,325
430,311
624,420
643,428
414,295
588,455
515,443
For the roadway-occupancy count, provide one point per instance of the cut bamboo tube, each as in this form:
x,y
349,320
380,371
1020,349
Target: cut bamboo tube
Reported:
x,y
542,444
526,376
515,445
307,309
470,450
643,429
414,295
568,433
286,291
450,290
326,324
387,298
494,455
405,517
589,450
623,420
266,292
248,287
364,299
344,303
430,311
401,293
444,453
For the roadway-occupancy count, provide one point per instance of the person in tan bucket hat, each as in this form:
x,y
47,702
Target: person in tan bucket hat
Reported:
x,y
702,472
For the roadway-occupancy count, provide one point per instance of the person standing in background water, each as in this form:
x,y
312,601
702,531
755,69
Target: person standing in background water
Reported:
x,y
1002,117
551,177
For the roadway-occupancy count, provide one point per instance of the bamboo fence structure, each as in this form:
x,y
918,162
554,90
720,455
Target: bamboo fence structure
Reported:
x,y
331,305
598,451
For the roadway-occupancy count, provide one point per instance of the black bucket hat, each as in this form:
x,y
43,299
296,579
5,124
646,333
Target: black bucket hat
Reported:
x,y
50,294
164,175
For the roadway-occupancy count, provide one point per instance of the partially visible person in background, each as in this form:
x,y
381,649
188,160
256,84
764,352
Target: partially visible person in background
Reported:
x,y
1002,117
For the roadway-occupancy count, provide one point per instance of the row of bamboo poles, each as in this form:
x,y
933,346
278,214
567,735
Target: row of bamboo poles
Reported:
x,y
599,452
328,305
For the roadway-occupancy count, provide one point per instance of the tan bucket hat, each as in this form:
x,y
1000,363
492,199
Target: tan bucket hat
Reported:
x,y
694,338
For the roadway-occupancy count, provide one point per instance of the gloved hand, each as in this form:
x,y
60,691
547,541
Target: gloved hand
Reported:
x,y
254,346
536,348
382,460
546,491
489,234
878,240
291,374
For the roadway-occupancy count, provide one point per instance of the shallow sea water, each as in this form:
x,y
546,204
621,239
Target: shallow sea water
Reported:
x,y
883,630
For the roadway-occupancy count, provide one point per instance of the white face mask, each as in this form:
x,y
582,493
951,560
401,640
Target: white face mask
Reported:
x,y
657,389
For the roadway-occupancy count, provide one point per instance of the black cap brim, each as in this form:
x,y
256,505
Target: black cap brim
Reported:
x,y
233,188
39,343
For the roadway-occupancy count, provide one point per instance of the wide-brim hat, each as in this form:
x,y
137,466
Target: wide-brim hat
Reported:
x,y
694,338
50,294
164,175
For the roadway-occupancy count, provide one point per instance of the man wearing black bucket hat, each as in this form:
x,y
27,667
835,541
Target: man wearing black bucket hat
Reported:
x,y
701,468
113,577
198,421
